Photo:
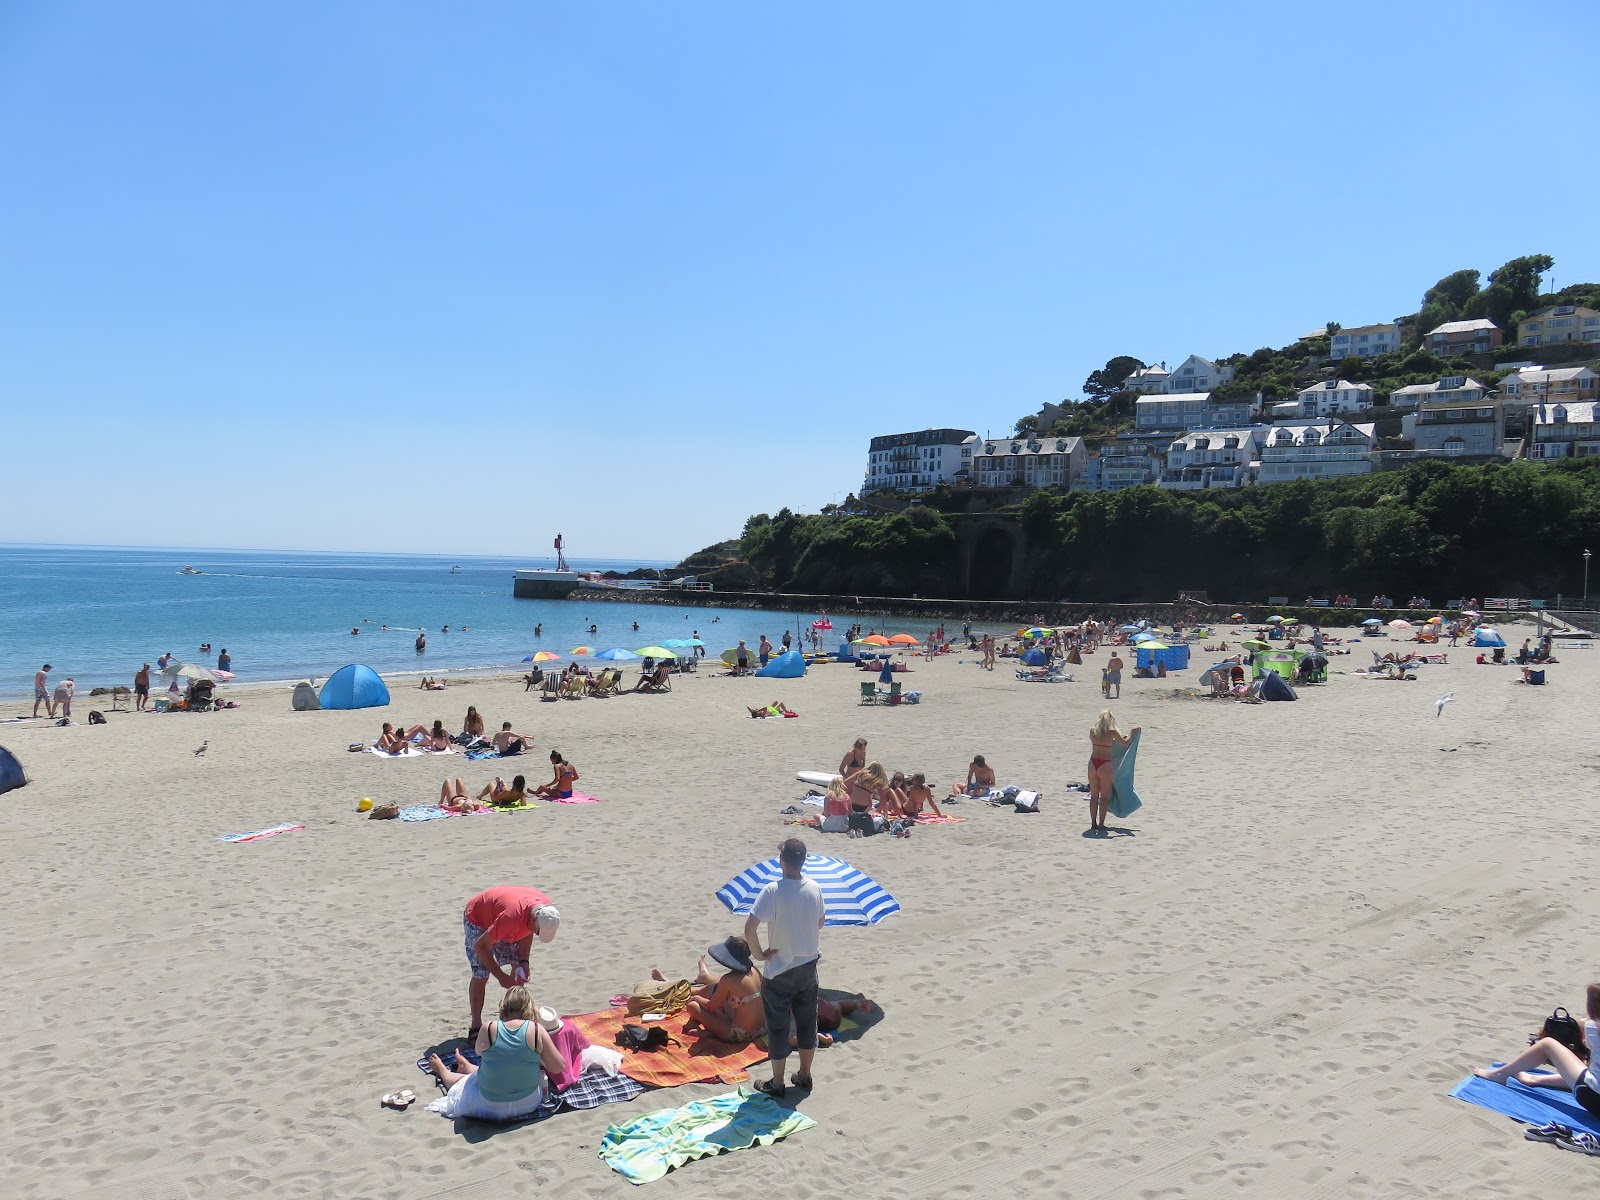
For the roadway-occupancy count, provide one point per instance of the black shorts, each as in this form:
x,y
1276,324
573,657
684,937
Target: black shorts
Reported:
x,y
1588,1097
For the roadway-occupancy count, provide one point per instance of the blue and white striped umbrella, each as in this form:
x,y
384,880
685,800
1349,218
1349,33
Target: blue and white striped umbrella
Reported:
x,y
849,895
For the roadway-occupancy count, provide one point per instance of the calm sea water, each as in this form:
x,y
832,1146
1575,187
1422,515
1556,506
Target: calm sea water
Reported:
x,y
96,614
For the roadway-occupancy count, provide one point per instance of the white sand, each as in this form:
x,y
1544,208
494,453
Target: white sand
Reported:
x,y
1328,912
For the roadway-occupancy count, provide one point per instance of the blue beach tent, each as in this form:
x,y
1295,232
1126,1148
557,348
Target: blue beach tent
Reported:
x,y
1487,637
11,773
355,686
789,665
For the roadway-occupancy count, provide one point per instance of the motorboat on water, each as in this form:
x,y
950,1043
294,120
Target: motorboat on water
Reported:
x,y
190,571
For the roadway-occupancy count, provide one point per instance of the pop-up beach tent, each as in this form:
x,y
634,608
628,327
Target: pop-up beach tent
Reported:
x,y
305,697
11,773
789,665
354,686
1277,662
1176,658
1276,687
1484,636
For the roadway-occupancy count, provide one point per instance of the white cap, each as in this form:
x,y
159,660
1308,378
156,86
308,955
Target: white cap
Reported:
x,y
548,921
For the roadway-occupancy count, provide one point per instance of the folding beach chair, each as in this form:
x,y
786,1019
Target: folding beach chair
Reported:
x,y
869,692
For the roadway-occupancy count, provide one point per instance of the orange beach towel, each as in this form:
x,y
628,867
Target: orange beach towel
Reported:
x,y
699,1059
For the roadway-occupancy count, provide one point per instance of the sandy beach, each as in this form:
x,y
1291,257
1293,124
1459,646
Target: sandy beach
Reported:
x,y
1325,915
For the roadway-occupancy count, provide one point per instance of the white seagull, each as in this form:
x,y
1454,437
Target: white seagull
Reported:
x,y
202,749
1438,705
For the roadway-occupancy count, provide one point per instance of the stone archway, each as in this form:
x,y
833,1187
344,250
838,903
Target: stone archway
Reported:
x,y
991,556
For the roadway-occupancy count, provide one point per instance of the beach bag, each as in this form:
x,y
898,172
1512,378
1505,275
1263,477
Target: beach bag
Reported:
x,y
863,823
1026,802
96,717
1563,1027
638,1037
656,996
384,812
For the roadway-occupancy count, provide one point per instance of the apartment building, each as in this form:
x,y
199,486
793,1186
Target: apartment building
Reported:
x,y
1566,430
920,461
1365,341
1538,385
1316,450
1211,458
1034,462
1559,325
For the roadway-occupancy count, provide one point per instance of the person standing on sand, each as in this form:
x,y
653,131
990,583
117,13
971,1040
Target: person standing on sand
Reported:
x,y
741,656
141,688
1114,676
764,650
1101,736
793,911
498,926
64,692
41,691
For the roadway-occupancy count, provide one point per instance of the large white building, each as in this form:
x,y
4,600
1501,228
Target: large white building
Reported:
x,y
917,462
1196,410
1196,374
1365,341
1316,450
1037,462
1211,458
1566,430
1335,398
1452,389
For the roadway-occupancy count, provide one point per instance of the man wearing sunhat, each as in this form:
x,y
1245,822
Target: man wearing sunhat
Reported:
x,y
498,928
793,912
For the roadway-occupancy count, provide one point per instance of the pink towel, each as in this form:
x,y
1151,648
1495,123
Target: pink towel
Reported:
x,y
257,835
575,798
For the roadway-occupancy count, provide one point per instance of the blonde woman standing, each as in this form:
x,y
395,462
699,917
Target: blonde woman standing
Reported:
x,y
1103,734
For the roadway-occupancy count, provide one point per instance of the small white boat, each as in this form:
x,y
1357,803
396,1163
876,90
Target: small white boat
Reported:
x,y
456,570
190,571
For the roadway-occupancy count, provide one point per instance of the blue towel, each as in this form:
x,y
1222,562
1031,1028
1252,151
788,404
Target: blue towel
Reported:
x,y
423,812
1536,1106
1124,801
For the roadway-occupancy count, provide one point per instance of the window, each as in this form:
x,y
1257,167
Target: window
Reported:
x,y
1362,338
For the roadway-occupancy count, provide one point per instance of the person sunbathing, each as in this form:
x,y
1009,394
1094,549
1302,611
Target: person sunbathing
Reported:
x,y
727,1007
431,684
391,741
509,743
453,795
472,726
1566,1070
560,786
504,795
775,709
892,802
655,681
437,738
917,794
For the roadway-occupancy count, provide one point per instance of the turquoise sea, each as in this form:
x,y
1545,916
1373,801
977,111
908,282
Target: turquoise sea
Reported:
x,y
97,613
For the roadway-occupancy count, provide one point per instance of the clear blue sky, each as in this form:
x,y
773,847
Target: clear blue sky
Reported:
x,y
450,277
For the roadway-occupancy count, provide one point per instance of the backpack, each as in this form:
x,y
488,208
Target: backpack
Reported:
x,y
96,717
637,1037
1566,1029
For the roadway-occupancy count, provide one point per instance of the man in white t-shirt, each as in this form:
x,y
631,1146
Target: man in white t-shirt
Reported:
x,y
793,912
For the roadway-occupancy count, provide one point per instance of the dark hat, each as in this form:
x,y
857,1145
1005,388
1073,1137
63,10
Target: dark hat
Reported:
x,y
733,954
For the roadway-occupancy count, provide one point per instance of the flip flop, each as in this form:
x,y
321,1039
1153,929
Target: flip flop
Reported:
x,y
400,1100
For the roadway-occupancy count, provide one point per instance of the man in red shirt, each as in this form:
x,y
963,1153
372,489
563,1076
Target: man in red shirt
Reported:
x,y
498,927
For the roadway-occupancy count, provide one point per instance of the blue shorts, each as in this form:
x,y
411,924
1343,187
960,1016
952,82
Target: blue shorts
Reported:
x,y
505,953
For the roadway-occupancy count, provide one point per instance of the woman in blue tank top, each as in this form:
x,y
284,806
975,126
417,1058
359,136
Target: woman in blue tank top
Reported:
x,y
510,1080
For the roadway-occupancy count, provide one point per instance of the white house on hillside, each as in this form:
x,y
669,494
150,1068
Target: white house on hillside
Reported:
x,y
1566,430
1196,374
1211,458
919,461
1036,462
1317,450
1147,379
1335,398
1536,385
1452,389
1365,341
1194,411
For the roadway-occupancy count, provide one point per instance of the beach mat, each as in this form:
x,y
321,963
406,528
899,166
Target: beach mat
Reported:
x,y
930,819
257,835
1536,1106
575,798
698,1059
411,752
647,1147
590,1090
1123,801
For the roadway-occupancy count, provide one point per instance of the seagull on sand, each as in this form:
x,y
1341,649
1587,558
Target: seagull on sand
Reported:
x,y
1438,705
207,742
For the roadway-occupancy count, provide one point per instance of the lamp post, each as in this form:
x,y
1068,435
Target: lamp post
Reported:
x,y
1586,557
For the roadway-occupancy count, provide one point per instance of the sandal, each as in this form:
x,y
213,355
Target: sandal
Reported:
x,y
472,1034
803,1082
775,1090
401,1100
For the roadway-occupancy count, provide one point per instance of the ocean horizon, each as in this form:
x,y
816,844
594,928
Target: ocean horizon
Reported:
x,y
95,613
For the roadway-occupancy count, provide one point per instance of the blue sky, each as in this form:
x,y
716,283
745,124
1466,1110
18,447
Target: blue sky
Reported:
x,y
396,276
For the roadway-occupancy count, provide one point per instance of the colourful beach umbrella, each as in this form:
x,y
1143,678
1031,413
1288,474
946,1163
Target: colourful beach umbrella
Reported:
x,y
617,654
543,656
580,651
655,652
1399,623
849,895
1154,645
1255,644
1236,617
1274,618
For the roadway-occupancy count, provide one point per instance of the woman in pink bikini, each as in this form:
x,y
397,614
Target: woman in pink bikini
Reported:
x,y
1102,735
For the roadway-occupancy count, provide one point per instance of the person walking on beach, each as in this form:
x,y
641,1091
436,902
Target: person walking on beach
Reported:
x,y
793,912
1114,676
1102,734
498,927
141,688
41,691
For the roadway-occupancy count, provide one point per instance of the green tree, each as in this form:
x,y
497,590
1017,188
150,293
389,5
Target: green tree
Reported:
x,y
1110,377
1521,278
1452,292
